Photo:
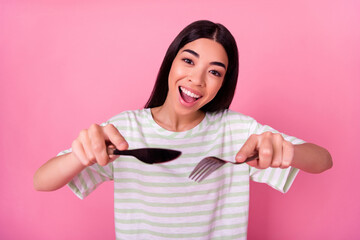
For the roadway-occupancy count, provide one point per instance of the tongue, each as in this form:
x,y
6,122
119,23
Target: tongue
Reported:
x,y
187,98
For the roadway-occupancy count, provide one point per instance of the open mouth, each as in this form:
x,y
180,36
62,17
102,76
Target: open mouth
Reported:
x,y
188,96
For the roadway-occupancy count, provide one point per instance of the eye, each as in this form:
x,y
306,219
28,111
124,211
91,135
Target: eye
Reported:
x,y
188,61
215,73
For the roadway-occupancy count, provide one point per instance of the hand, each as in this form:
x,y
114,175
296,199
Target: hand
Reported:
x,y
91,145
274,151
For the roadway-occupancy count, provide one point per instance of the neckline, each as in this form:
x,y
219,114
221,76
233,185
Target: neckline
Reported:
x,y
167,132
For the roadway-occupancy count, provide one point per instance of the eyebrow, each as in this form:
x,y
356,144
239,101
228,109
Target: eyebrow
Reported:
x,y
197,56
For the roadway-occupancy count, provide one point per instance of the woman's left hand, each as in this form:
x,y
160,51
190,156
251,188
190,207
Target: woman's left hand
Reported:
x,y
274,151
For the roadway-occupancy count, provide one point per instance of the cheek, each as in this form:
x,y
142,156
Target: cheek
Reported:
x,y
175,75
214,87
177,72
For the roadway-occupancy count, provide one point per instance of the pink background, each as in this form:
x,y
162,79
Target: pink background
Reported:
x,y
67,64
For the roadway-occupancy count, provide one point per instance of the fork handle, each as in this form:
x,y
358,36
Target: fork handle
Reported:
x,y
256,156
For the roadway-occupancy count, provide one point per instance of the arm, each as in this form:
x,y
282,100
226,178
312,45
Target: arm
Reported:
x,y
311,158
57,172
275,151
88,148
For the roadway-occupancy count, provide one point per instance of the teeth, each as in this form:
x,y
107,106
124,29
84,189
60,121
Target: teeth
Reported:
x,y
193,95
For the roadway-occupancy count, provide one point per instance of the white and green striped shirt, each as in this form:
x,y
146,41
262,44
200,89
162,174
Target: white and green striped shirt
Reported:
x,y
160,201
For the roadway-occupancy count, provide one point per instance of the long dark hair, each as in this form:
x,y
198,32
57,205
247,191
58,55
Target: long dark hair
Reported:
x,y
196,30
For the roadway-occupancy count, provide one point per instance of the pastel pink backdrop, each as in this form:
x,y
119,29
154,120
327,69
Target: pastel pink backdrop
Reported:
x,y
67,64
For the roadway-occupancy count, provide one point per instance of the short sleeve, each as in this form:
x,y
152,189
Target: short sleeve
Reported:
x,y
279,179
90,178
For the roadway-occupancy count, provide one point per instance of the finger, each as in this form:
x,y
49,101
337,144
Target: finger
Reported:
x,y
265,152
248,149
254,163
288,154
277,141
98,145
86,144
113,135
78,151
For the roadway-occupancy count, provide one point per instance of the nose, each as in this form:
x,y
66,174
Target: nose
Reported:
x,y
198,76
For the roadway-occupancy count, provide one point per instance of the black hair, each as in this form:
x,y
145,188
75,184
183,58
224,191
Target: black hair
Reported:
x,y
196,30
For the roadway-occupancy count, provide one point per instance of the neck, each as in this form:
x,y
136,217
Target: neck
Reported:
x,y
169,119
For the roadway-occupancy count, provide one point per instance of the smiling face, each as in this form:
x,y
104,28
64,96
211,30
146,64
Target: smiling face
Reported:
x,y
196,75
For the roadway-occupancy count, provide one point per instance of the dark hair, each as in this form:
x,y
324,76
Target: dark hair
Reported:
x,y
196,30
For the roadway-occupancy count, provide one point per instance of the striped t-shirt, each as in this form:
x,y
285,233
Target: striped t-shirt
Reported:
x,y
160,202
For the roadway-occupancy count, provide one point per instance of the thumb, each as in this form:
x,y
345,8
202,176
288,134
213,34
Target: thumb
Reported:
x,y
113,135
248,149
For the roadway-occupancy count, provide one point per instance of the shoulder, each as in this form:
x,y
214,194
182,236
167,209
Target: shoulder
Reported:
x,y
231,120
129,115
230,115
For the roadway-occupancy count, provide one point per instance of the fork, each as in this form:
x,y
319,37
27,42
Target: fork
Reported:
x,y
209,164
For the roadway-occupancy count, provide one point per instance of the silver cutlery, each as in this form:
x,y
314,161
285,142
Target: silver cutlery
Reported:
x,y
209,164
148,155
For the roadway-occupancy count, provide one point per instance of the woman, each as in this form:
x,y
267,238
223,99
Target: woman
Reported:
x,y
187,111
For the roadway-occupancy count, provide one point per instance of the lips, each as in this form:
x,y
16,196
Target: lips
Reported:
x,y
188,96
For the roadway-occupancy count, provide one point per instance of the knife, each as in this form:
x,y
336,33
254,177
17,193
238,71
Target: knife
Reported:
x,y
148,155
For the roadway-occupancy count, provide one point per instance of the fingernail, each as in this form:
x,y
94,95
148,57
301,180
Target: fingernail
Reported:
x,y
240,157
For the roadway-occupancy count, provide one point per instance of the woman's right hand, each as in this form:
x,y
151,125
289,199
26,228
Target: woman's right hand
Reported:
x,y
91,145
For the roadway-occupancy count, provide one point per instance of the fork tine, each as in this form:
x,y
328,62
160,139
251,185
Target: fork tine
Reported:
x,y
211,170
199,167
209,164
200,171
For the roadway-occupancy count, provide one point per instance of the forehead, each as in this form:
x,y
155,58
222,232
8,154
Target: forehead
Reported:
x,y
207,49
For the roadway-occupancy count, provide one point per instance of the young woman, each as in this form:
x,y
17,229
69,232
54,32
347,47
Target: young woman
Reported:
x,y
187,111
